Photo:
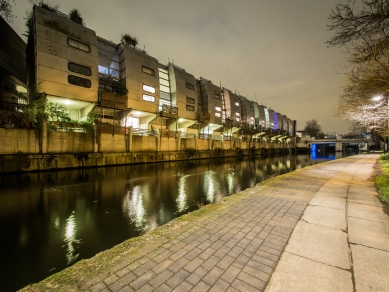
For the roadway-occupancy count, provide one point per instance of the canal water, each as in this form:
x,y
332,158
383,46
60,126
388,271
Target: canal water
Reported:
x,y
51,220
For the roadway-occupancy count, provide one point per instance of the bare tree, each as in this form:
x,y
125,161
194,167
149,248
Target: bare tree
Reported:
x,y
363,32
6,10
313,128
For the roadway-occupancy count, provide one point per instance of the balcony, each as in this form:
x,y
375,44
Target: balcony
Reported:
x,y
169,111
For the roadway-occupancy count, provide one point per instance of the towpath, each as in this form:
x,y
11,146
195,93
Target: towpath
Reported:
x,y
321,228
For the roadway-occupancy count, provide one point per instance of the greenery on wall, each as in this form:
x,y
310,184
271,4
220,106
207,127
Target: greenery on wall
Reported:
x,y
119,87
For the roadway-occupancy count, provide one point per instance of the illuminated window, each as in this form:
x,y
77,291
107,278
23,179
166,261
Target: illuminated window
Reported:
x,y
190,100
217,96
148,71
237,114
217,115
79,69
148,98
189,86
78,45
237,119
237,103
251,118
78,81
148,88
218,108
190,108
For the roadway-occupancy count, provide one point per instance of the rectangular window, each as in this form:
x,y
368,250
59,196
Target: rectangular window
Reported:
x,y
237,103
79,69
189,86
237,119
218,108
164,95
164,88
163,82
78,81
79,45
190,100
163,75
237,114
148,88
190,108
148,98
217,115
217,96
148,71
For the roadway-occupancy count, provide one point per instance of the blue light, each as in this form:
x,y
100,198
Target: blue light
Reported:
x,y
313,151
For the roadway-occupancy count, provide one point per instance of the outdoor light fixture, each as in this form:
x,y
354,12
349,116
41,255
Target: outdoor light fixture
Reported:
x,y
378,97
66,101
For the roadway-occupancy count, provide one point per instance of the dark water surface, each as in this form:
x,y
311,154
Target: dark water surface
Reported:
x,y
50,220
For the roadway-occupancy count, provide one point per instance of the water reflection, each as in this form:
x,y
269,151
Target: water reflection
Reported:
x,y
70,239
133,205
209,186
108,206
182,197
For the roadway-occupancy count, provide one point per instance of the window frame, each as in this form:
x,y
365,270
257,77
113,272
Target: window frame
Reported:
x,y
189,86
143,87
71,76
78,42
143,98
190,100
147,68
192,108
90,70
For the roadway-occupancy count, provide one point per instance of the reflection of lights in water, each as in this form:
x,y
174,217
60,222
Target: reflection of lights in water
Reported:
x,y
209,186
133,204
70,238
288,163
56,223
230,183
181,198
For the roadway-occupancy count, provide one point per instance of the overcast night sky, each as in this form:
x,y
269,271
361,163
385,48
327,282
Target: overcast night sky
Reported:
x,y
273,52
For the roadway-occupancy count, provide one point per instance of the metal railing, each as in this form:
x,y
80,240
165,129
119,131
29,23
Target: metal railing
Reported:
x,y
204,136
144,132
188,135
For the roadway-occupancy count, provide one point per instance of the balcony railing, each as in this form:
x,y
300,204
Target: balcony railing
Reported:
x,y
169,111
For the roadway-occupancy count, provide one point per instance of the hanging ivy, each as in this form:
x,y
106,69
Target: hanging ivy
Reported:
x,y
120,88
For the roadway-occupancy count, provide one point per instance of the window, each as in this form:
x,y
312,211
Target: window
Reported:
x,y
190,100
148,98
148,71
148,88
237,119
217,115
78,45
218,108
189,86
74,80
164,88
252,118
237,103
217,96
164,95
79,69
190,108
237,114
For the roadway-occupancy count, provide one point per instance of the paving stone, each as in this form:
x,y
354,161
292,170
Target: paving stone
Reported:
x,y
145,288
122,272
126,289
163,288
211,262
161,278
231,273
243,286
194,253
184,287
178,265
109,280
249,279
311,275
213,275
201,287
122,282
139,282
162,266
196,275
206,253
225,262
177,278
193,265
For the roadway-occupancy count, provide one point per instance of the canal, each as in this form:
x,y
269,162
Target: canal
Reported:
x,y
51,220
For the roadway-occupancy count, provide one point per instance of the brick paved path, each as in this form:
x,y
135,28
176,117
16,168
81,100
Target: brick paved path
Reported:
x,y
234,250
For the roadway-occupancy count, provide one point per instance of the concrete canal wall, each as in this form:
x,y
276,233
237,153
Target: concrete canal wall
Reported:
x,y
21,151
